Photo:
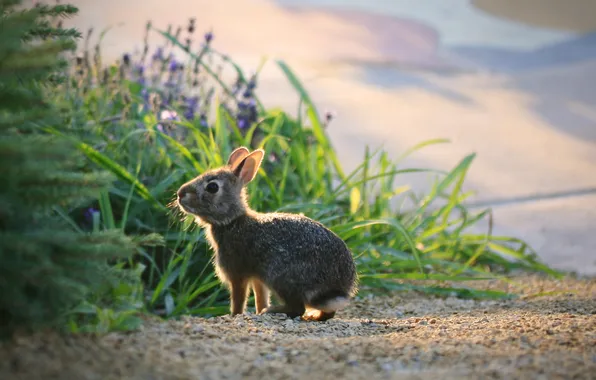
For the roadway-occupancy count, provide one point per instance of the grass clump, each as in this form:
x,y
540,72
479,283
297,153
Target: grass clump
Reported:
x,y
157,118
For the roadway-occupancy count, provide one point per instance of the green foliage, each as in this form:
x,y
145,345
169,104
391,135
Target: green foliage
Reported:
x,y
48,264
122,106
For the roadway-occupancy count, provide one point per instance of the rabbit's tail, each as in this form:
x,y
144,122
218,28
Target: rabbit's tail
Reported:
x,y
329,301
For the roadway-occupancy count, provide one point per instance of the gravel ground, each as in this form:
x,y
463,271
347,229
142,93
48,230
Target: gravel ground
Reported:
x,y
404,336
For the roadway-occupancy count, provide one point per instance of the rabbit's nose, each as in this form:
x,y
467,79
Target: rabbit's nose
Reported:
x,y
184,190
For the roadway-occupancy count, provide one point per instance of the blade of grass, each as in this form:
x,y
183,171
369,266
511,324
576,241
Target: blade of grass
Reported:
x,y
313,116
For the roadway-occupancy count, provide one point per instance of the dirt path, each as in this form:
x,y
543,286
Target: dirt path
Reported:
x,y
404,336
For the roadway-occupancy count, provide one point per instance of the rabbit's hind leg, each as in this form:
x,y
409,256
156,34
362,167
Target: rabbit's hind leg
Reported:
x,y
324,304
291,304
290,299
292,310
318,315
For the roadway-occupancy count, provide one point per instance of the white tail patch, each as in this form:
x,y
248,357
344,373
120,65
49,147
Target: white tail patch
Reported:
x,y
333,304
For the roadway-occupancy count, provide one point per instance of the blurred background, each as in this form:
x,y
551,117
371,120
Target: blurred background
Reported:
x,y
512,80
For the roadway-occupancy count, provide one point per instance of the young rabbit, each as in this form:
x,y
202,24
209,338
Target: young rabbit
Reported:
x,y
301,261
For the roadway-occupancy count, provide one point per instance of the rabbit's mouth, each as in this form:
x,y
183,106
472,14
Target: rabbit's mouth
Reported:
x,y
183,203
187,209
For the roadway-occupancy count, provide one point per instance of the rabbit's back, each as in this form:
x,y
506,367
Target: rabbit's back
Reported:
x,y
279,247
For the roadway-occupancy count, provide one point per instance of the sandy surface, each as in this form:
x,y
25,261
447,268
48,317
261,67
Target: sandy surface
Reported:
x,y
402,336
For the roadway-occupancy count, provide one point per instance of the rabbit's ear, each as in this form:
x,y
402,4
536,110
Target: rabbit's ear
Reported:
x,y
247,169
237,156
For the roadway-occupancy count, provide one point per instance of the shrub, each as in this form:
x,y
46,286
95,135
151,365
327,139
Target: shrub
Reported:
x,y
48,265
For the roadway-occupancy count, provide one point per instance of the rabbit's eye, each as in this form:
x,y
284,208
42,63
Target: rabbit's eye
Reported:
x,y
212,187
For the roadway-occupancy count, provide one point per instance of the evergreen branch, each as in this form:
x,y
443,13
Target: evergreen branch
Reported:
x,y
59,10
50,32
7,5
42,56
46,266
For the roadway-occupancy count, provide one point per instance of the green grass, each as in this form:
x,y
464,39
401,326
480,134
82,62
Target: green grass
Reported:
x,y
426,249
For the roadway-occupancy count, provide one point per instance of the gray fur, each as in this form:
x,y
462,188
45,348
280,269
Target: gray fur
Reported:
x,y
295,257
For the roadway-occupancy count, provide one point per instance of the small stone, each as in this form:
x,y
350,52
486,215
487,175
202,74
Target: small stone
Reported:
x,y
258,362
386,367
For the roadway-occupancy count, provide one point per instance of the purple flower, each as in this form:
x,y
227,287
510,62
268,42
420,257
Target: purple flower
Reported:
x,y
167,99
203,120
173,65
189,114
90,214
250,87
140,71
145,95
170,83
208,37
252,83
237,85
192,104
193,101
247,113
158,55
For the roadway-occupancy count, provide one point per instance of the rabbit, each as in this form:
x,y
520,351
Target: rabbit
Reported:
x,y
304,264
